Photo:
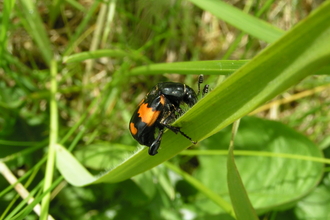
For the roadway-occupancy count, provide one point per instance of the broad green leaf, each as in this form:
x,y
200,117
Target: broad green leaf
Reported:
x,y
144,181
243,21
271,182
316,205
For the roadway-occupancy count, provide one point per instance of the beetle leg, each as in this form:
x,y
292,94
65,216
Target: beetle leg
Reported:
x,y
178,110
155,145
170,116
168,119
177,130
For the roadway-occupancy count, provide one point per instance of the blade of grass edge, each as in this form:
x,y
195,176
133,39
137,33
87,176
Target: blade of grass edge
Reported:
x,y
5,21
241,20
203,189
209,67
238,195
35,27
79,57
74,40
52,141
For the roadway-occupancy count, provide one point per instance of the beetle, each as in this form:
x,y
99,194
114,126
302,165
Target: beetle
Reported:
x,y
159,108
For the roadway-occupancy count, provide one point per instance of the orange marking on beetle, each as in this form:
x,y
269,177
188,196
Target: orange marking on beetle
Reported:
x,y
147,114
132,128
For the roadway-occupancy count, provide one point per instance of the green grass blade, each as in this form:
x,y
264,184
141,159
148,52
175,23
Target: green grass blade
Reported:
x,y
77,5
54,11
52,141
238,195
205,190
27,210
35,27
241,20
74,40
75,174
109,21
213,67
78,57
5,20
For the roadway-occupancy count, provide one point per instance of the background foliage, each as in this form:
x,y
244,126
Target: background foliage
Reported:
x,y
72,73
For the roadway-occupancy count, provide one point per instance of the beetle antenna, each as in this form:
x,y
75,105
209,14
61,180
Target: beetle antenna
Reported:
x,y
205,90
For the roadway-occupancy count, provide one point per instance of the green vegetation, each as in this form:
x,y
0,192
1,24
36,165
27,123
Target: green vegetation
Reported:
x,y
73,72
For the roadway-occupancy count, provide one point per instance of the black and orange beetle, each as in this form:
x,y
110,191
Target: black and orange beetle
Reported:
x,y
158,109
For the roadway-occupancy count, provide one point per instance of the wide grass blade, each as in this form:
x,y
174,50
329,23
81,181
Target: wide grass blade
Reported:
x,y
238,195
243,21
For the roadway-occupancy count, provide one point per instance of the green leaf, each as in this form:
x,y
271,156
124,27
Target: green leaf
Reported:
x,y
271,182
316,204
243,21
195,182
